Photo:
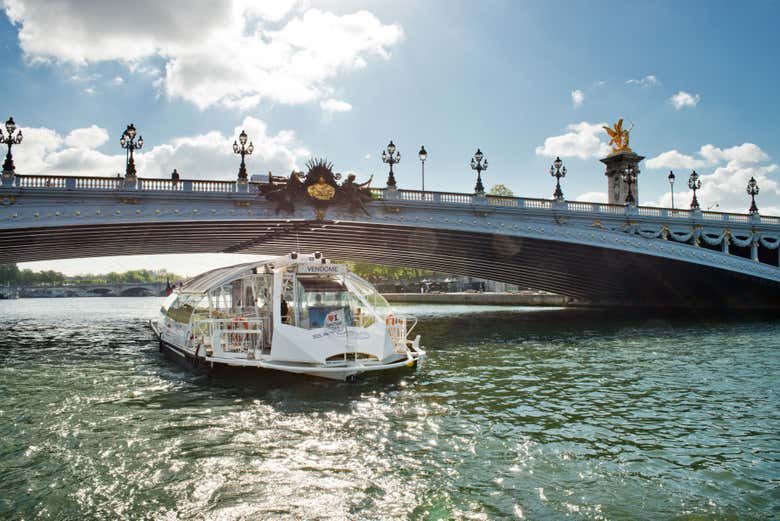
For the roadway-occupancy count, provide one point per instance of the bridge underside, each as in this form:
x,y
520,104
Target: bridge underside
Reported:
x,y
586,273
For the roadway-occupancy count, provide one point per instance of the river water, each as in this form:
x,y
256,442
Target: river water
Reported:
x,y
517,414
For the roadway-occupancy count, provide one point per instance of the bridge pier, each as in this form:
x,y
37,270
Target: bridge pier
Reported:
x,y
617,188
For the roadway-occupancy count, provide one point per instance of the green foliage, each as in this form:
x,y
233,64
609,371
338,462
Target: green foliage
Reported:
x,y
382,273
11,275
501,191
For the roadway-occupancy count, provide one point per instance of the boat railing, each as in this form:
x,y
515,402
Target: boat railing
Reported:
x,y
398,327
232,335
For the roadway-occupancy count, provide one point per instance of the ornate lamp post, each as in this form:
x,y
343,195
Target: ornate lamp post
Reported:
x,y
629,177
128,143
479,164
242,150
557,172
423,154
8,165
671,185
752,190
694,183
391,157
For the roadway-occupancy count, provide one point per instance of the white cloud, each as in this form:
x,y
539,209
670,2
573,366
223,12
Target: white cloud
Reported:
x,y
233,53
118,80
90,91
674,159
584,141
725,185
196,157
684,99
592,197
577,97
90,137
334,105
648,81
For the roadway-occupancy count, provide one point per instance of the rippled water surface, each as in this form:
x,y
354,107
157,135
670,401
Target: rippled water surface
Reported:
x,y
517,413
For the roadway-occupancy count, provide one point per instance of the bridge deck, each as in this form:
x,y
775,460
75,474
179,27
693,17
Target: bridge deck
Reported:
x,y
589,251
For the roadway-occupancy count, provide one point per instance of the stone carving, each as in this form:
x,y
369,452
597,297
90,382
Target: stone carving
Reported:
x,y
319,188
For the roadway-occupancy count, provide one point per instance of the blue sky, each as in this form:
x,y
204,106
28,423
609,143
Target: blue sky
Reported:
x,y
524,81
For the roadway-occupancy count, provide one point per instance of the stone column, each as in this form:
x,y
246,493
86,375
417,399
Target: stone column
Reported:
x,y
617,189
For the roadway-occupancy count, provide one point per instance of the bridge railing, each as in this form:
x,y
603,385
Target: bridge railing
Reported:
x,y
54,182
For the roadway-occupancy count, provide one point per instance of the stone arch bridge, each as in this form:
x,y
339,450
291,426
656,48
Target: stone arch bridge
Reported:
x,y
601,253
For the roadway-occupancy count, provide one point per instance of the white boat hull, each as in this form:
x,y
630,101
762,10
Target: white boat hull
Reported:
x,y
341,372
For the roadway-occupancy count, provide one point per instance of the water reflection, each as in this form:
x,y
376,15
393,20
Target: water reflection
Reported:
x,y
533,414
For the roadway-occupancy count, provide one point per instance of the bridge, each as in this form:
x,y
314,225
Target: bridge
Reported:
x,y
130,289
613,254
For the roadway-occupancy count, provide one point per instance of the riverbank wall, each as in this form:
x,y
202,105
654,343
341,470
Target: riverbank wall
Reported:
x,y
492,299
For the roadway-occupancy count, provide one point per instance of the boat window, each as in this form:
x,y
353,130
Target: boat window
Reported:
x,y
370,294
168,301
181,309
324,302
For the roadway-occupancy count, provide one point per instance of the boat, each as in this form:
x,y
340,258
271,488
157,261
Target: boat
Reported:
x,y
299,313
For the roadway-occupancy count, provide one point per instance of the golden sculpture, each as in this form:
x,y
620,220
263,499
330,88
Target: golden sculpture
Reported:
x,y
619,137
321,190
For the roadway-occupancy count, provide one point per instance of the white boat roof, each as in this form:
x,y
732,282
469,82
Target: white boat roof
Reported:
x,y
217,277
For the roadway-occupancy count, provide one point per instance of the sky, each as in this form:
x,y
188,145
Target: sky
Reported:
x,y
523,81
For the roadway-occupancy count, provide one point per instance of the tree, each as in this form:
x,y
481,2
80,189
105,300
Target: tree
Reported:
x,y
9,274
501,191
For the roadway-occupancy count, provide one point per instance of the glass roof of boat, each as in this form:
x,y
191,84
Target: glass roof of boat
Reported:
x,y
217,277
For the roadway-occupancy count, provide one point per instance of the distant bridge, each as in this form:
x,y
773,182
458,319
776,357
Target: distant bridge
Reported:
x,y
130,289
612,254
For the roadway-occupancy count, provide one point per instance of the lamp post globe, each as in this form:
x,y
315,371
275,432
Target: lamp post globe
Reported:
x,y
557,170
127,141
243,151
479,164
391,157
752,190
629,177
10,140
694,183
671,185
423,155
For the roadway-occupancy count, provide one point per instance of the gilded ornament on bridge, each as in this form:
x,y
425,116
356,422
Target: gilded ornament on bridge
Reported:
x,y
319,188
619,137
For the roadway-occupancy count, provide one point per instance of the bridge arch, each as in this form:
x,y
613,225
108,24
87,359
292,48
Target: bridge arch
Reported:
x,y
589,251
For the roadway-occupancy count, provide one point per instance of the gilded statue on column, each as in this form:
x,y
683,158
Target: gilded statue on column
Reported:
x,y
619,137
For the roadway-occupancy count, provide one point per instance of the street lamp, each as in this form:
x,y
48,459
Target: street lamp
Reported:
x,y
671,185
480,165
423,156
694,183
391,157
752,190
10,127
242,150
629,177
557,172
128,143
